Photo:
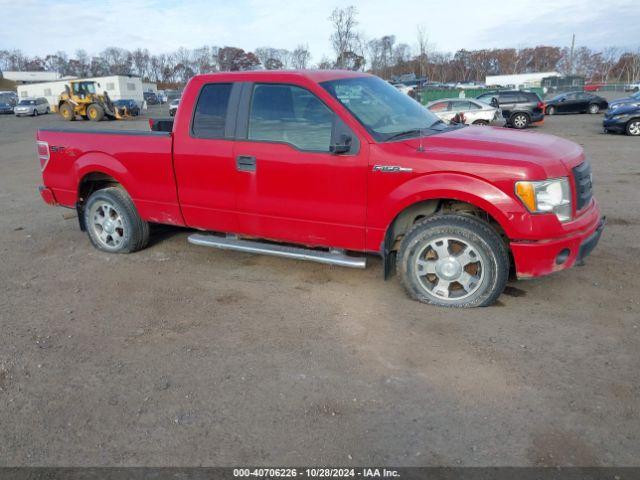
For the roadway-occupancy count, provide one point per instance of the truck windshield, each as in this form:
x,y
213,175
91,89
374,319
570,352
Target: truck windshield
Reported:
x,y
384,111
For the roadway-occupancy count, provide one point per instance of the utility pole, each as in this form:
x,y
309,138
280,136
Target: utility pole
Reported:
x,y
573,45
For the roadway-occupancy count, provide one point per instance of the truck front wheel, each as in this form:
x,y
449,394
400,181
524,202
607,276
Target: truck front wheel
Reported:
x,y
453,261
66,110
95,112
113,223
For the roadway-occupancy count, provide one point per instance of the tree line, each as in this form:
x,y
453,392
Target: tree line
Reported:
x,y
352,50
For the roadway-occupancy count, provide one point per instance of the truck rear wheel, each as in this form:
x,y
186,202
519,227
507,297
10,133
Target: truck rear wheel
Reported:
x,y
113,223
66,110
453,261
95,112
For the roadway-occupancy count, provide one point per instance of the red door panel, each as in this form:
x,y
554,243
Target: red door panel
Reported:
x,y
315,199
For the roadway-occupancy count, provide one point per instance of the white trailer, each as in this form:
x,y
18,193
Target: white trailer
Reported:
x,y
118,87
519,80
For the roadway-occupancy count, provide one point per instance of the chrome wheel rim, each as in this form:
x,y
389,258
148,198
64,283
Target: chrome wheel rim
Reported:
x,y
107,225
520,121
594,109
634,128
450,268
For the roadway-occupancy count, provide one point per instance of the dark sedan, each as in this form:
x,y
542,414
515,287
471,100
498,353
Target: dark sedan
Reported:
x,y
132,107
576,102
624,119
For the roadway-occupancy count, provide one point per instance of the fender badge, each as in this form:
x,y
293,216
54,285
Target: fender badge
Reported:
x,y
391,169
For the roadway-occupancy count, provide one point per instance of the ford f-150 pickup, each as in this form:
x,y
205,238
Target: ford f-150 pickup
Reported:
x,y
320,165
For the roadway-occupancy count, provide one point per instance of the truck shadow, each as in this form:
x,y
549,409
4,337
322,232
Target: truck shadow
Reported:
x,y
160,233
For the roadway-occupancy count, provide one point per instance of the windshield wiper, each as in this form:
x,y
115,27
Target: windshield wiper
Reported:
x,y
413,131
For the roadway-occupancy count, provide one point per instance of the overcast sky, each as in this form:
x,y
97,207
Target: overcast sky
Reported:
x,y
40,27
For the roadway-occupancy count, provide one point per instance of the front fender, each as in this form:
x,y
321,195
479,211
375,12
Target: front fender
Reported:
x,y
505,209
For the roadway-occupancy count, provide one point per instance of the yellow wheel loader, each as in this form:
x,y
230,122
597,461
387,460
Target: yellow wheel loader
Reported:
x,y
80,98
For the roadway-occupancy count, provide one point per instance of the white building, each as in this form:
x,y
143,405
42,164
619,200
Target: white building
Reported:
x,y
31,77
117,86
520,80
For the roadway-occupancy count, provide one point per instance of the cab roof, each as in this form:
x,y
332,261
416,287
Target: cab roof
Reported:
x,y
257,75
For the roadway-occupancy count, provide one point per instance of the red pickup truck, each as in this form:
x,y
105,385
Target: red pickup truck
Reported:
x,y
319,165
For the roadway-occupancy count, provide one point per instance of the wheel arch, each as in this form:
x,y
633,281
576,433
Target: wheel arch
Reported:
x,y
96,172
490,204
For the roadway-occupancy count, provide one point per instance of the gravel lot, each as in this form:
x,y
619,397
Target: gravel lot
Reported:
x,y
184,355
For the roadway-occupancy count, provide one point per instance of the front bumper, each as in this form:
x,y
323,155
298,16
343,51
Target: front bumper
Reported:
x,y
534,259
617,125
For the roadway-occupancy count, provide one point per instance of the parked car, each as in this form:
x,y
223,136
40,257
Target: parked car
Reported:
x,y
334,162
132,106
519,108
630,100
7,102
173,106
150,97
32,106
474,112
624,119
593,87
632,87
9,96
576,102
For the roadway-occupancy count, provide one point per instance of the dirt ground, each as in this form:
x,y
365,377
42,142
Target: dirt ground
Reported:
x,y
183,355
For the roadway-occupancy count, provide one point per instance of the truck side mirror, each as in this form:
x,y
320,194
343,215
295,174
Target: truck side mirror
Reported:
x,y
494,102
341,146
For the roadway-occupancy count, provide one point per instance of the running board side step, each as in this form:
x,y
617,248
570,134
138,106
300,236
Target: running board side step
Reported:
x,y
330,257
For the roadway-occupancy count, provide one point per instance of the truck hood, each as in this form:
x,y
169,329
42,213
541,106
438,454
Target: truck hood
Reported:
x,y
498,145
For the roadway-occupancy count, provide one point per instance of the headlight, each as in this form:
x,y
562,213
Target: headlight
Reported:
x,y
547,196
621,116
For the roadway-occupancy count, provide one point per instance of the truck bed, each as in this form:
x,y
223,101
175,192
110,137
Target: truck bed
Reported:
x,y
139,160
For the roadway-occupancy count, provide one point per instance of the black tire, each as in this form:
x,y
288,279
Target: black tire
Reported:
x,y
46,112
633,127
134,234
95,112
480,237
480,122
35,112
519,120
593,109
551,110
66,111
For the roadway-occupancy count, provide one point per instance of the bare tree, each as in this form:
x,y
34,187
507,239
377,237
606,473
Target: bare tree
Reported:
x,y
344,39
300,57
423,49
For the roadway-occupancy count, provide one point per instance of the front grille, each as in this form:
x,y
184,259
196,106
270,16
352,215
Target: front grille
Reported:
x,y
582,178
